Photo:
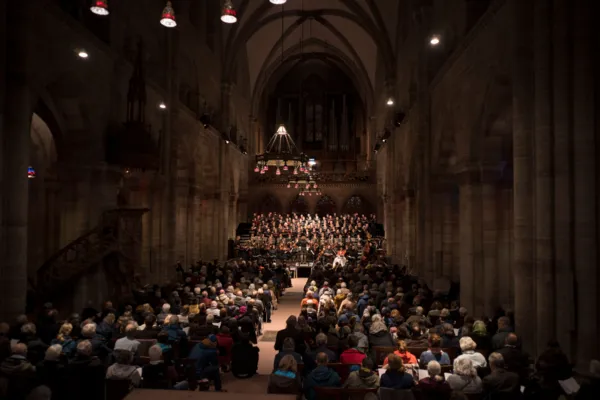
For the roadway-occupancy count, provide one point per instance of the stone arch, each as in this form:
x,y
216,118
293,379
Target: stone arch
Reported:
x,y
325,205
299,205
357,204
237,39
355,71
362,83
43,210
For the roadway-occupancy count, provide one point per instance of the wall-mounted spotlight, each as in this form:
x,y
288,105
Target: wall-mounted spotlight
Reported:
x,y
162,105
81,53
386,135
390,102
377,147
434,40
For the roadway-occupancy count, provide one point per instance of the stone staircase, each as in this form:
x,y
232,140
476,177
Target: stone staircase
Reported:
x,y
118,233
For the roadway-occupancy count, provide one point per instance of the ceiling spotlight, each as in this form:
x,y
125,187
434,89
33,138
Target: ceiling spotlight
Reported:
x,y
229,16
162,105
278,2
99,7
390,102
435,40
82,53
167,18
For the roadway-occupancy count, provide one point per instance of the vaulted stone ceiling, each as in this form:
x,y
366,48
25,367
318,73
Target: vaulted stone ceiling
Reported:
x,y
354,34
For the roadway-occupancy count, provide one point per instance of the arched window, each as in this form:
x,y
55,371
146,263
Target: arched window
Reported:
x,y
299,205
355,205
325,206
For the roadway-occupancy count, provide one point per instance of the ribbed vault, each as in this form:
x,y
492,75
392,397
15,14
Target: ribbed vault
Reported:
x,y
356,33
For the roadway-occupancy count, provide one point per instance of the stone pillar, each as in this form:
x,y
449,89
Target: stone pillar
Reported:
x,y
544,246
226,118
438,234
585,104
563,172
448,233
15,158
490,247
470,227
523,95
504,263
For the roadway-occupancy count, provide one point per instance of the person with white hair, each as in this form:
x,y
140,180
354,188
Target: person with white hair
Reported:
x,y
18,373
465,377
468,346
51,371
165,310
128,343
434,386
122,368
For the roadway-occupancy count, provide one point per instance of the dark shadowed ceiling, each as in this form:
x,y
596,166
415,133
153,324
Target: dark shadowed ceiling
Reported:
x,y
355,34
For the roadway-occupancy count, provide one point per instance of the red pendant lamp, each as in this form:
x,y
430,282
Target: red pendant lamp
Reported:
x,y
168,16
100,7
229,15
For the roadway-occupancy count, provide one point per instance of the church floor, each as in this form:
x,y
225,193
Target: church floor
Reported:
x,y
289,305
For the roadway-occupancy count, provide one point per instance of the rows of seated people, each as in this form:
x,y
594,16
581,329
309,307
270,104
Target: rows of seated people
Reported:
x,y
373,328
202,328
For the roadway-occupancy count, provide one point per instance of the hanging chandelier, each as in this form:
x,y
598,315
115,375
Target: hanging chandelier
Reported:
x,y
167,18
282,155
100,7
303,184
228,15
310,192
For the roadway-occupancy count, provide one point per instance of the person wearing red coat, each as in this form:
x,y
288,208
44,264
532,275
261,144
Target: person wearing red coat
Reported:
x,y
224,344
352,355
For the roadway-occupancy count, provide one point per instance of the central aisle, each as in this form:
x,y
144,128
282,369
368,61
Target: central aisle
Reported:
x,y
289,305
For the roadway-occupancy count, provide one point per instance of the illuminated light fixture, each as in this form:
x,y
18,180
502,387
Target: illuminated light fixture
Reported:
x,y
315,186
226,141
100,7
256,169
229,15
162,105
30,172
82,53
281,153
435,40
289,186
262,172
285,167
167,18
295,171
390,102
296,186
278,2
278,172
312,162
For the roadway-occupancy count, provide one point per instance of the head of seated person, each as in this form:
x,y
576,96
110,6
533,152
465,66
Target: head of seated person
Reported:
x,y
287,367
435,343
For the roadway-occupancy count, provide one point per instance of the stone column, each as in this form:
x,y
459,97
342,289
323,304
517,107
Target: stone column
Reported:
x,y
490,247
523,95
16,140
544,245
448,234
438,233
470,228
563,172
504,263
585,104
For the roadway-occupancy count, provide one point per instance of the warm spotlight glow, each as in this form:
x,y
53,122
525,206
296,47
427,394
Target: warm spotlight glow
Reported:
x,y
289,186
390,102
82,54
162,106
278,172
435,40
229,15
167,18
295,171
278,2
99,7
256,169
285,167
